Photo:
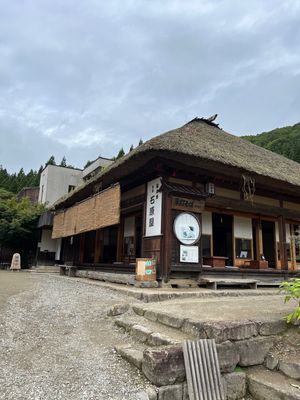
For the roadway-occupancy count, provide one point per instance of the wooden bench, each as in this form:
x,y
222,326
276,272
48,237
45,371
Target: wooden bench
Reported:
x,y
212,283
69,270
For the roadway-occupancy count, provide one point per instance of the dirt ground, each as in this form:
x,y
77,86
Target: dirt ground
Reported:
x,y
56,341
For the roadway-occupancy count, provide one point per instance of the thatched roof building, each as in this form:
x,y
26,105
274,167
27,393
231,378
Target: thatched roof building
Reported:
x,y
203,145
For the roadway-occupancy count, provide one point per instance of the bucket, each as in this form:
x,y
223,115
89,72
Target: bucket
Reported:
x,y
145,269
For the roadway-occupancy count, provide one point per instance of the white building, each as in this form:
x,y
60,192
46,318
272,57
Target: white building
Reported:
x,y
55,182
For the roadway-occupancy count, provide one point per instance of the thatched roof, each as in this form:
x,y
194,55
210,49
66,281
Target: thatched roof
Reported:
x,y
200,143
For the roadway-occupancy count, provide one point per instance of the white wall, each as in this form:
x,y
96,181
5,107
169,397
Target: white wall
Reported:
x,y
47,243
55,182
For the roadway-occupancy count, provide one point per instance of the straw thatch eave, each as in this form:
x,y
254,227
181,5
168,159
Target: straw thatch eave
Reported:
x,y
202,145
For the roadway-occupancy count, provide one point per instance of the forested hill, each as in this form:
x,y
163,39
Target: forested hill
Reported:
x,y
284,141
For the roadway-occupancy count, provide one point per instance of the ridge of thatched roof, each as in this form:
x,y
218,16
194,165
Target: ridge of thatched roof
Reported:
x,y
204,140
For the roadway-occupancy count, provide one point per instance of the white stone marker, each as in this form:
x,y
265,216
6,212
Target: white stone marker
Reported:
x,y
16,262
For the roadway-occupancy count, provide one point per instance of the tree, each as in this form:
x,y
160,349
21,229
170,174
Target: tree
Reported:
x,y
18,223
63,162
121,153
141,142
131,148
51,161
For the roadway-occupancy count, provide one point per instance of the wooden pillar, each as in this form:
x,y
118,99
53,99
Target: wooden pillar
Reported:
x,y
120,240
167,229
81,247
282,244
97,251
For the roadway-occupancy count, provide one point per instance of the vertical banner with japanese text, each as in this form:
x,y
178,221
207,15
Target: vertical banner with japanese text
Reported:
x,y
153,209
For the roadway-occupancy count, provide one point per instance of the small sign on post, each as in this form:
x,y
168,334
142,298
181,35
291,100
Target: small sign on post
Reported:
x,y
15,262
145,269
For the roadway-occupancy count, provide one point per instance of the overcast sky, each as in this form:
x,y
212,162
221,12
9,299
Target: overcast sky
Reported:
x,y
82,78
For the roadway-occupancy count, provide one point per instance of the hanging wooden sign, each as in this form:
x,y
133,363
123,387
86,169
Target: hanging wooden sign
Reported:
x,y
183,204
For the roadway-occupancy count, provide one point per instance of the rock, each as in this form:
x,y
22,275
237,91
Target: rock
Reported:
x,y
271,361
151,315
266,328
164,366
138,310
152,393
173,392
146,284
170,320
230,330
156,339
254,351
194,328
148,394
185,392
235,385
228,356
290,369
133,356
118,309
140,333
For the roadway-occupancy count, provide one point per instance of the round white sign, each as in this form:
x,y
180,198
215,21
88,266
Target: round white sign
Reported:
x,y
187,228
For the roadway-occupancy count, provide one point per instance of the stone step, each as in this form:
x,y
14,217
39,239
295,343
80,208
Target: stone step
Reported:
x,y
289,364
213,329
132,354
46,269
149,332
269,385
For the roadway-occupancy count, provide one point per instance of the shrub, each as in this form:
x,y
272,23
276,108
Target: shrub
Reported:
x,y
292,290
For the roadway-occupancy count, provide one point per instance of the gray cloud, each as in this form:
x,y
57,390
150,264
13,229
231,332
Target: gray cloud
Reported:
x,y
84,78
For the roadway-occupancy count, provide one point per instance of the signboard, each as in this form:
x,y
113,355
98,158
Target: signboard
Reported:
x,y
145,269
189,254
187,228
16,262
153,208
183,204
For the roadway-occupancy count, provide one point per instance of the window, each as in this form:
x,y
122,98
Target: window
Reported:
x,y
70,188
243,248
206,245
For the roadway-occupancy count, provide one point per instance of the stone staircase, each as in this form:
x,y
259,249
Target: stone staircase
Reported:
x,y
243,347
50,269
264,384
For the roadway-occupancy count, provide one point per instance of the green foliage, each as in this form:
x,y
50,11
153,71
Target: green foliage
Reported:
x,y
284,141
18,222
141,142
121,153
292,290
131,148
51,161
63,162
15,182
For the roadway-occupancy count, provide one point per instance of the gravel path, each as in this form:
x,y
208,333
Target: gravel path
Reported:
x,y
56,342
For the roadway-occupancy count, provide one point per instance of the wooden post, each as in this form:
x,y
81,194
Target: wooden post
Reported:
x,y
167,229
97,251
120,240
81,247
282,244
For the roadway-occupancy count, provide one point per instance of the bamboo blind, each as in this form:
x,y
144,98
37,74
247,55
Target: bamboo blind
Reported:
x,y
96,212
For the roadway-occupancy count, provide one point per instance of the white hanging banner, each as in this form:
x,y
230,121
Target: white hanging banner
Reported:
x,y
153,209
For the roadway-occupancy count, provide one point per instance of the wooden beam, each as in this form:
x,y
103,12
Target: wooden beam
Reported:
x,y
282,243
167,235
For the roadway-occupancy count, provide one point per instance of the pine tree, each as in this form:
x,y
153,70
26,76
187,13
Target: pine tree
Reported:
x,y
141,142
63,162
131,148
121,153
51,161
